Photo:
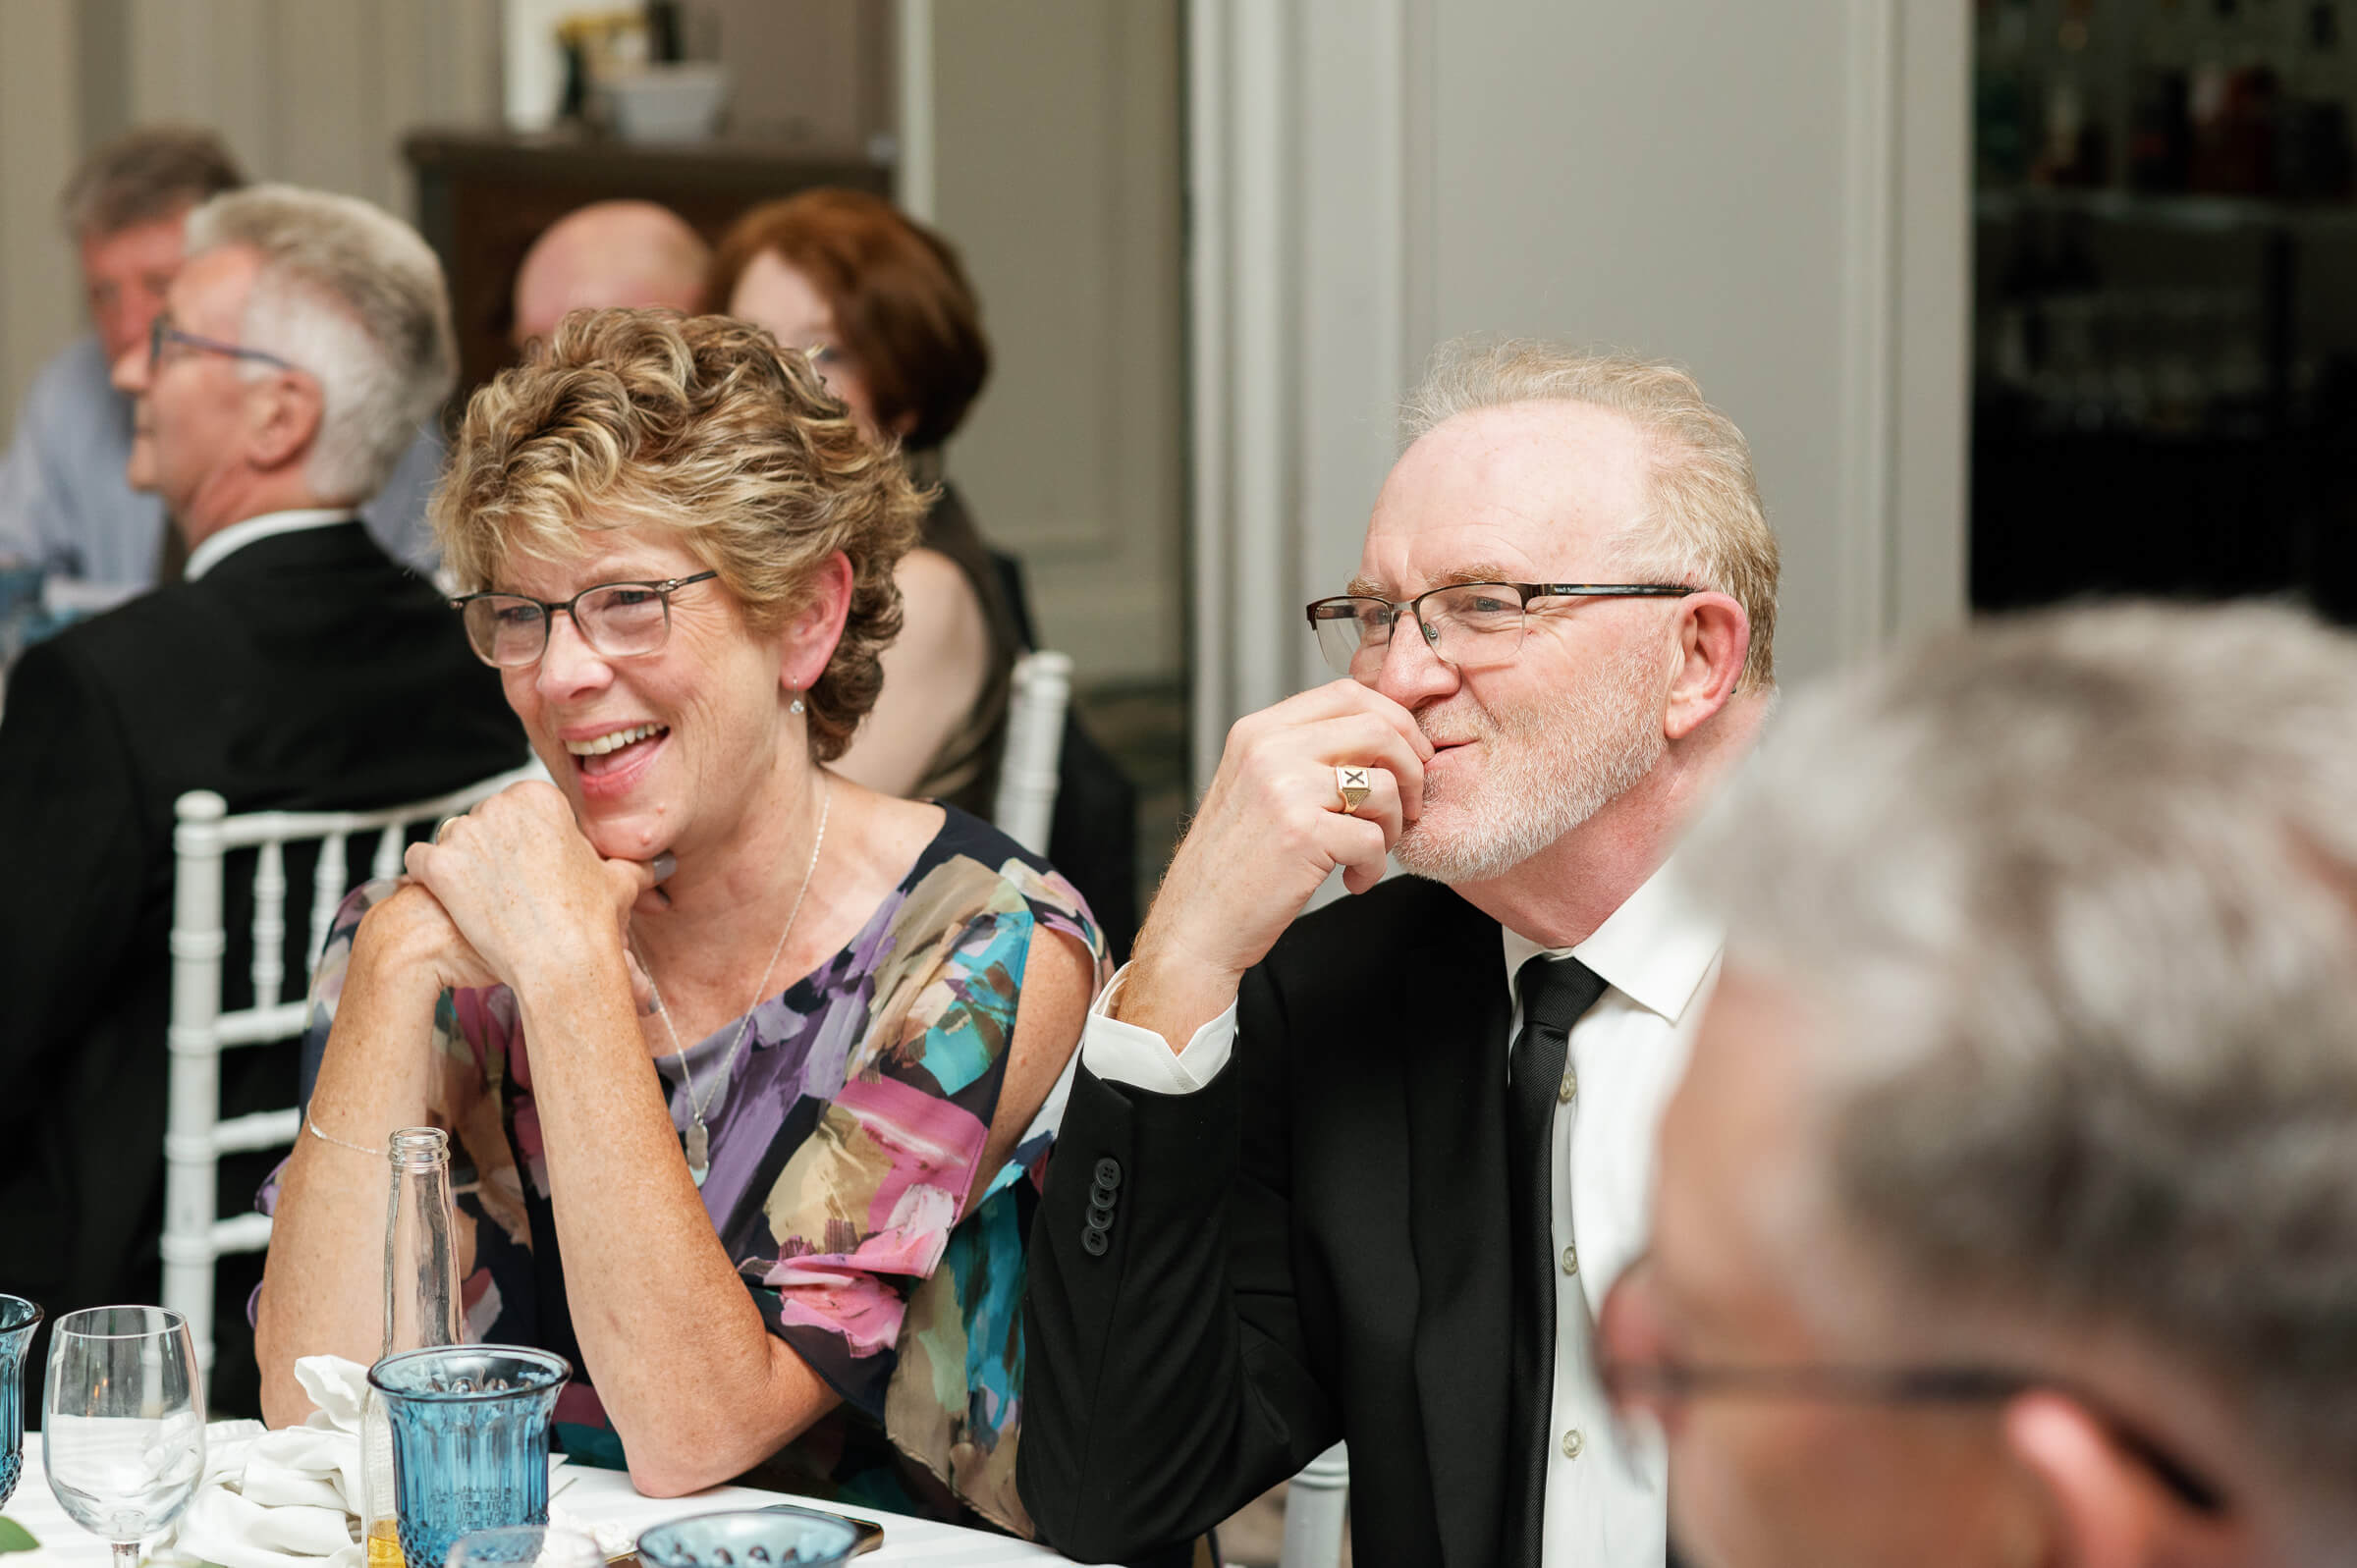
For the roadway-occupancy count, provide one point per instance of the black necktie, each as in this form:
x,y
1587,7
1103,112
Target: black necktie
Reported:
x,y
1555,991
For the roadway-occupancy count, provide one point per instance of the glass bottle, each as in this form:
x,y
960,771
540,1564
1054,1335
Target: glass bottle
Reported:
x,y
421,1308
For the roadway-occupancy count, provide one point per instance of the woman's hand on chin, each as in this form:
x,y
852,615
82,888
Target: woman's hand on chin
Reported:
x,y
525,891
412,932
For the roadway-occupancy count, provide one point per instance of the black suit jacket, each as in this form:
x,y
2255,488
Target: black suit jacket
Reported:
x,y
305,669
1312,1247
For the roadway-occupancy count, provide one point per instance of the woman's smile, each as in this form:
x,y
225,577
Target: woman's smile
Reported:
x,y
612,750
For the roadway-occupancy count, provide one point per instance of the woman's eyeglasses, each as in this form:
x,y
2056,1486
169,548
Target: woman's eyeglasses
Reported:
x,y
619,620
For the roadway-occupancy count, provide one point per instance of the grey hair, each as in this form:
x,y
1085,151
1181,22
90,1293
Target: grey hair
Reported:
x,y
1706,524
354,297
2076,898
154,172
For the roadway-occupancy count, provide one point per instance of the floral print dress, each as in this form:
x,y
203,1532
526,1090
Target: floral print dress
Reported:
x,y
844,1145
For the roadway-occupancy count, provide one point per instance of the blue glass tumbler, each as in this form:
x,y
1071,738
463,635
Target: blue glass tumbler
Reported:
x,y
469,1439
19,1317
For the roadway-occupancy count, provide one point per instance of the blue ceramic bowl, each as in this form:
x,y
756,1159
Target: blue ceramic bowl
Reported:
x,y
765,1538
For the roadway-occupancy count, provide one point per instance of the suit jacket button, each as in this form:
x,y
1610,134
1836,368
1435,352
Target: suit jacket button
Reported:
x,y
1102,1201
1109,1173
1093,1242
1100,1219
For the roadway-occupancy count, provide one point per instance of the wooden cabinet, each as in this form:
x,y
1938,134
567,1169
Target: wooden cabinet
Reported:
x,y
484,196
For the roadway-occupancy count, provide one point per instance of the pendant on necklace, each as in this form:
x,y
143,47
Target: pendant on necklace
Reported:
x,y
698,1144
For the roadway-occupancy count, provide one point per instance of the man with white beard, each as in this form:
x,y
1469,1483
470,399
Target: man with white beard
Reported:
x,y
1364,1175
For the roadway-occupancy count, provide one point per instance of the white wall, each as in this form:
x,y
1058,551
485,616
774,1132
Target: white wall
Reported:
x,y
1771,193
40,298
315,91
1048,149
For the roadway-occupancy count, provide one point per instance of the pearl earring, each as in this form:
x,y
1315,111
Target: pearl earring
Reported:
x,y
795,706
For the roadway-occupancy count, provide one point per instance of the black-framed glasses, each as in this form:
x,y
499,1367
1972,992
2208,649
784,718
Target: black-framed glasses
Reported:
x,y
1651,1387
160,331
1471,625
619,620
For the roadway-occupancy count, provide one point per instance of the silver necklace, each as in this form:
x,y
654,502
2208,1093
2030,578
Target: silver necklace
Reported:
x,y
697,1141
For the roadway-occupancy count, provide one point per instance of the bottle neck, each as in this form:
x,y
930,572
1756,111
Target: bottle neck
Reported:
x,y
421,1285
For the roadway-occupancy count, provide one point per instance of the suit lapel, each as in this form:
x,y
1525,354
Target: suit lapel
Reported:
x,y
1455,1022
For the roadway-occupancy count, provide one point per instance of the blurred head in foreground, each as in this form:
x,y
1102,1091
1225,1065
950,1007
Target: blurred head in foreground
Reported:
x,y
2009,1211
634,253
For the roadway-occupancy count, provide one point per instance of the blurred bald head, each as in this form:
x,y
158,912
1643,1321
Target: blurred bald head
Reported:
x,y
609,253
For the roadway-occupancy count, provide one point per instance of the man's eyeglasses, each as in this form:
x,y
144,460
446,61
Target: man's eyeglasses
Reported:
x,y
617,620
160,332
1471,625
1650,1388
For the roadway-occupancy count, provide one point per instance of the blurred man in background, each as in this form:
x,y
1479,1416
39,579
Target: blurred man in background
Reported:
x,y
65,504
296,666
631,253
2007,1212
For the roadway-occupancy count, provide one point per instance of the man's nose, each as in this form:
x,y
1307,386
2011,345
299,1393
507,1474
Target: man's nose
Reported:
x,y
1412,667
130,370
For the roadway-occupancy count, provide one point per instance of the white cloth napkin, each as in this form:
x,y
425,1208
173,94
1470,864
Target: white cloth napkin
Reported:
x,y
290,1498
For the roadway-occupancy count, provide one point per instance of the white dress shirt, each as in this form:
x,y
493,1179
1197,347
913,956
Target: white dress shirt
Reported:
x,y
1606,1507
226,542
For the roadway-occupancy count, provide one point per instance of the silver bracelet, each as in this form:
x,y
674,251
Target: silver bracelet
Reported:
x,y
313,1129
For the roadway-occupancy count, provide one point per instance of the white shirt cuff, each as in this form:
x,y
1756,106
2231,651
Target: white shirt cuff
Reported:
x,y
1125,1053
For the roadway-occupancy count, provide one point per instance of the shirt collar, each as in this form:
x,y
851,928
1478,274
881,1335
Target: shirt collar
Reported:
x,y
237,536
1657,948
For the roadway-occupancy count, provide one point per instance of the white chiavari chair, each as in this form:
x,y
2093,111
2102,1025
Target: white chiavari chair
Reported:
x,y
1025,806
195,1136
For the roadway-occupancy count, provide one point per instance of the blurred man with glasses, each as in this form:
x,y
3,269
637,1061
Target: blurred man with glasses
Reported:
x,y
1364,1174
65,506
298,666
2007,1212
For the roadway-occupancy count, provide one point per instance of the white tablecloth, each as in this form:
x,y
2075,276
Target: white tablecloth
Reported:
x,y
597,1496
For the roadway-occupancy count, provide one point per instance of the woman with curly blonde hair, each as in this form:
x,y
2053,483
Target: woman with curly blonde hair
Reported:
x,y
765,1170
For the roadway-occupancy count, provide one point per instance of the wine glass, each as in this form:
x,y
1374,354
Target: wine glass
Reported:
x,y
123,1421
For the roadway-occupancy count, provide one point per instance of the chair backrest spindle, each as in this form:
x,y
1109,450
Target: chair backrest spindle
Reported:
x,y
269,923
327,889
388,851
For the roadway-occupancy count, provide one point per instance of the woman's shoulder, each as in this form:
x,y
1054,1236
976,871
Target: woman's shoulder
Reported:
x,y
969,871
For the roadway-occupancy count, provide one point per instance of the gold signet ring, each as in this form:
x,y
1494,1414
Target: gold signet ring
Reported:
x,y
1353,785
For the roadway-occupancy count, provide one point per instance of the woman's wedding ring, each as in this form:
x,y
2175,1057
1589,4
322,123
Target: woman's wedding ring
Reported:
x,y
1353,785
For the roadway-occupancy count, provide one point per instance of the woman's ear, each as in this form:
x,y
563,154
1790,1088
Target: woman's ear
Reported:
x,y
817,626
1713,636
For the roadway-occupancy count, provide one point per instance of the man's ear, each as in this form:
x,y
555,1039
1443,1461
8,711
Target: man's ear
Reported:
x,y
817,626
1713,636
2111,1507
283,420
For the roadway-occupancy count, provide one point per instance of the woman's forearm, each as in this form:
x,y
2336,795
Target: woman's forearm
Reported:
x,y
323,1281
697,1388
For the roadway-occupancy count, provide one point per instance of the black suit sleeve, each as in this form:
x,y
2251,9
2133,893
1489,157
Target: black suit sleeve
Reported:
x,y
81,852
1168,1377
